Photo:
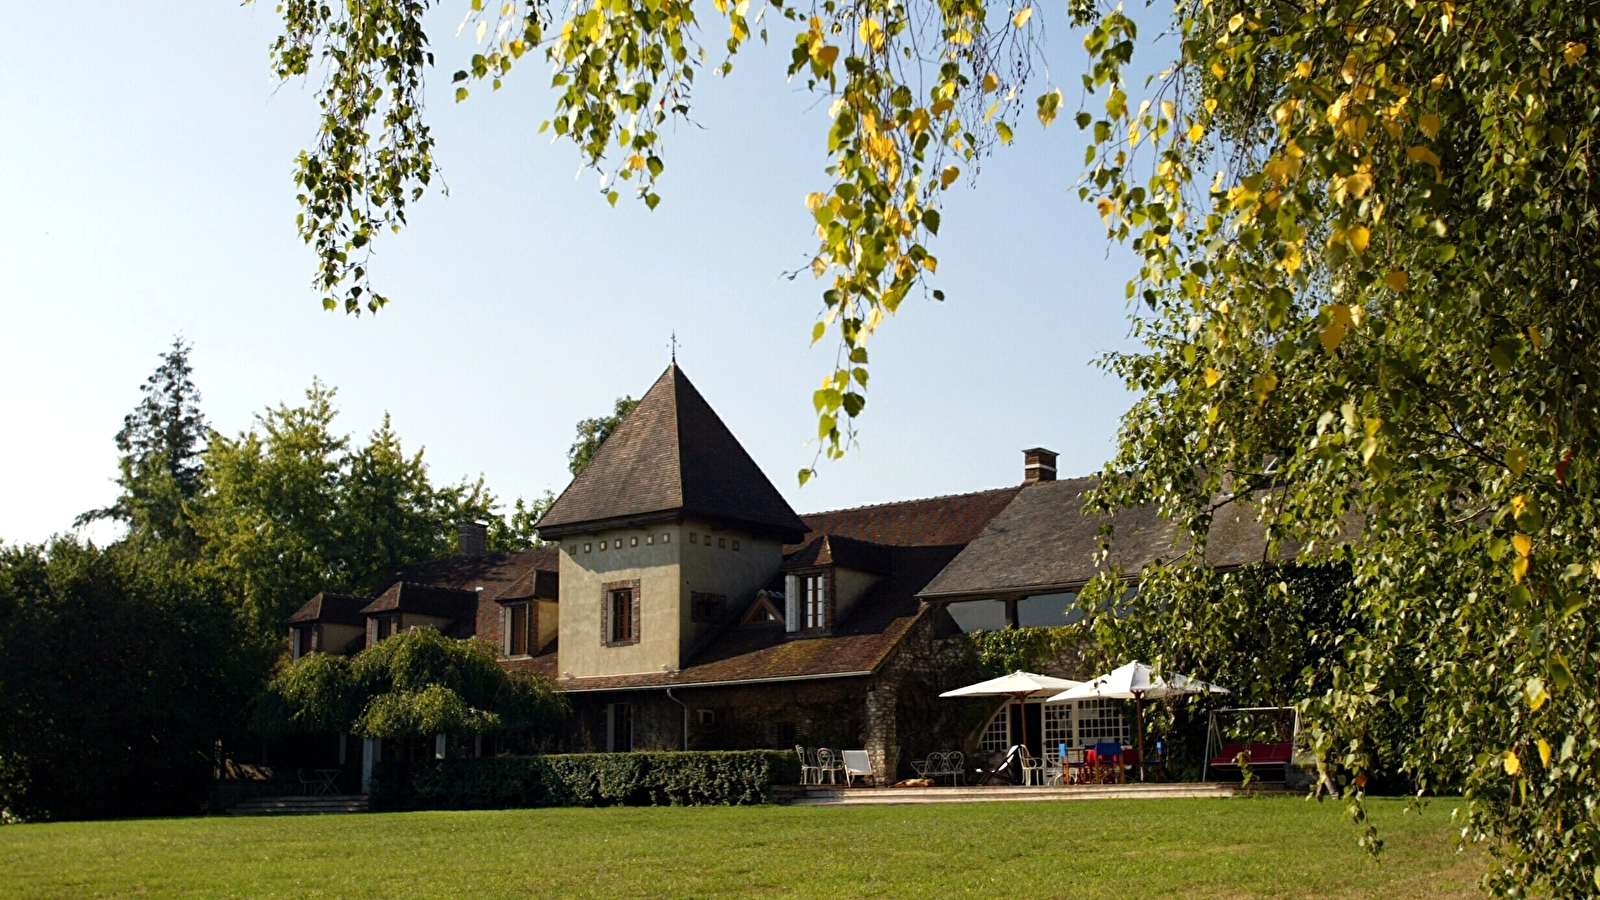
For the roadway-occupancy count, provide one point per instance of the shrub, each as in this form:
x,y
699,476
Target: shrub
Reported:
x,y
731,778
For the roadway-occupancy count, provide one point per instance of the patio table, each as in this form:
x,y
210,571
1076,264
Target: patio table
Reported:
x,y
329,781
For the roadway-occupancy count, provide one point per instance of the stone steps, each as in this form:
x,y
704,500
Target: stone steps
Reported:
x,y
824,796
301,805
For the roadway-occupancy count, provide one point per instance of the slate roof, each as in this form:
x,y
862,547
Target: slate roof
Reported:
x,y
951,520
339,609
672,459
427,599
517,575
837,550
1043,542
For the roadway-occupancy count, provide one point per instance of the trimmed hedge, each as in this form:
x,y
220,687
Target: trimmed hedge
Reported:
x,y
584,779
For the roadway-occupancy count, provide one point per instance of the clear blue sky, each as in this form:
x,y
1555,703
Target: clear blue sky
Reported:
x,y
145,174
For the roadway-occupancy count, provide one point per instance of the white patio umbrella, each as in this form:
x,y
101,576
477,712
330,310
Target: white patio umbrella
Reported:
x,y
1136,681
1019,686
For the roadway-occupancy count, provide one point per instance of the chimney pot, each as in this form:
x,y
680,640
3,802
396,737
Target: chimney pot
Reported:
x,y
1039,465
472,539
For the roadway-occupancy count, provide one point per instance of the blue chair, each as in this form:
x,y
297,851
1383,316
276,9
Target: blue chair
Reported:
x,y
1109,755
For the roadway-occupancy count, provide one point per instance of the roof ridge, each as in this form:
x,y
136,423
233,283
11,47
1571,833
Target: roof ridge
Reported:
x,y
843,509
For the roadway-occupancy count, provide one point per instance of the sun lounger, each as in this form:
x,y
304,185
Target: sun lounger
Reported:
x,y
856,765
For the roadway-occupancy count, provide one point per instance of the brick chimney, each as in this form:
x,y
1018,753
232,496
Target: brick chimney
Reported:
x,y
472,538
1039,465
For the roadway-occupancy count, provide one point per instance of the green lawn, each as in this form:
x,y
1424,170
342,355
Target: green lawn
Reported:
x,y
1111,849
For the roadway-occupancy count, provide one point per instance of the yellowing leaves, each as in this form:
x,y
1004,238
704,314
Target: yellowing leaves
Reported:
x,y
1397,281
872,34
1356,237
1523,544
1574,51
949,176
1534,692
1369,444
1263,385
1519,569
1049,105
1428,124
1419,153
1212,376
1509,762
1544,752
991,82
1022,16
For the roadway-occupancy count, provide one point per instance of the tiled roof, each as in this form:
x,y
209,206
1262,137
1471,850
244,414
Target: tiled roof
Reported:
x,y
340,609
835,550
1043,541
947,521
517,575
672,458
427,599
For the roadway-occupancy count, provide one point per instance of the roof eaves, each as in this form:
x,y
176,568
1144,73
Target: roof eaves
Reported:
x,y
700,684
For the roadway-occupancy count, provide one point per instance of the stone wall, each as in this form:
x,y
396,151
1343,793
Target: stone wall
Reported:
x,y
897,715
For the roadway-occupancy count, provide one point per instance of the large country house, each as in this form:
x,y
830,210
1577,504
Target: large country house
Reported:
x,y
680,603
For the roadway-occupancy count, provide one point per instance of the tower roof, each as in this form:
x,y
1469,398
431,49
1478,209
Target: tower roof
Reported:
x,y
672,459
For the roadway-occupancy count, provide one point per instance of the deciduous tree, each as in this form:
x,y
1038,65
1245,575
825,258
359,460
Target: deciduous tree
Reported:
x,y
593,432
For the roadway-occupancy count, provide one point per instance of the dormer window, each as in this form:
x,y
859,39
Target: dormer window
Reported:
x,y
519,636
384,626
302,640
813,601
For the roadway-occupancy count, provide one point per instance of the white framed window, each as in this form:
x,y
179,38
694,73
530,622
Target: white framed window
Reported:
x,y
1101,720
813,601
1057,727
997,734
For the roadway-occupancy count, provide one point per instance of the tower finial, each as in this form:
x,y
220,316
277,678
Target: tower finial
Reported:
x,y
674,348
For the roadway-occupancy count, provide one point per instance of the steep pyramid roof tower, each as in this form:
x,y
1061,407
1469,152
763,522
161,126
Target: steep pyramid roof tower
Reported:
x,y
672,459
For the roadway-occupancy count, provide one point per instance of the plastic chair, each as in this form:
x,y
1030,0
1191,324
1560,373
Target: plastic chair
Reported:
x,y
1032,767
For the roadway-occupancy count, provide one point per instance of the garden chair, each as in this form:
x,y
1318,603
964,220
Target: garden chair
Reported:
x,y
308,784
956,767
809,773
829,766
1073,765
1032,767
1108,762
1054,772
857,764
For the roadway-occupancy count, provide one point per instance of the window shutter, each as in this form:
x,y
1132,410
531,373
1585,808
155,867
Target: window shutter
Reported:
x,y
633,630
605,618
791,603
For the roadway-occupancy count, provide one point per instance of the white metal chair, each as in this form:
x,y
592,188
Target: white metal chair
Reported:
x,y
829,766
955,765
857,764
809,773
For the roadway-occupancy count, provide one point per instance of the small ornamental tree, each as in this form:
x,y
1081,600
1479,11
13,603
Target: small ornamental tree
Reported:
x,y
417,683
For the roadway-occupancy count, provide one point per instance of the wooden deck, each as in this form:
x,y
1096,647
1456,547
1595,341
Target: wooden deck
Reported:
x,y
864,796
